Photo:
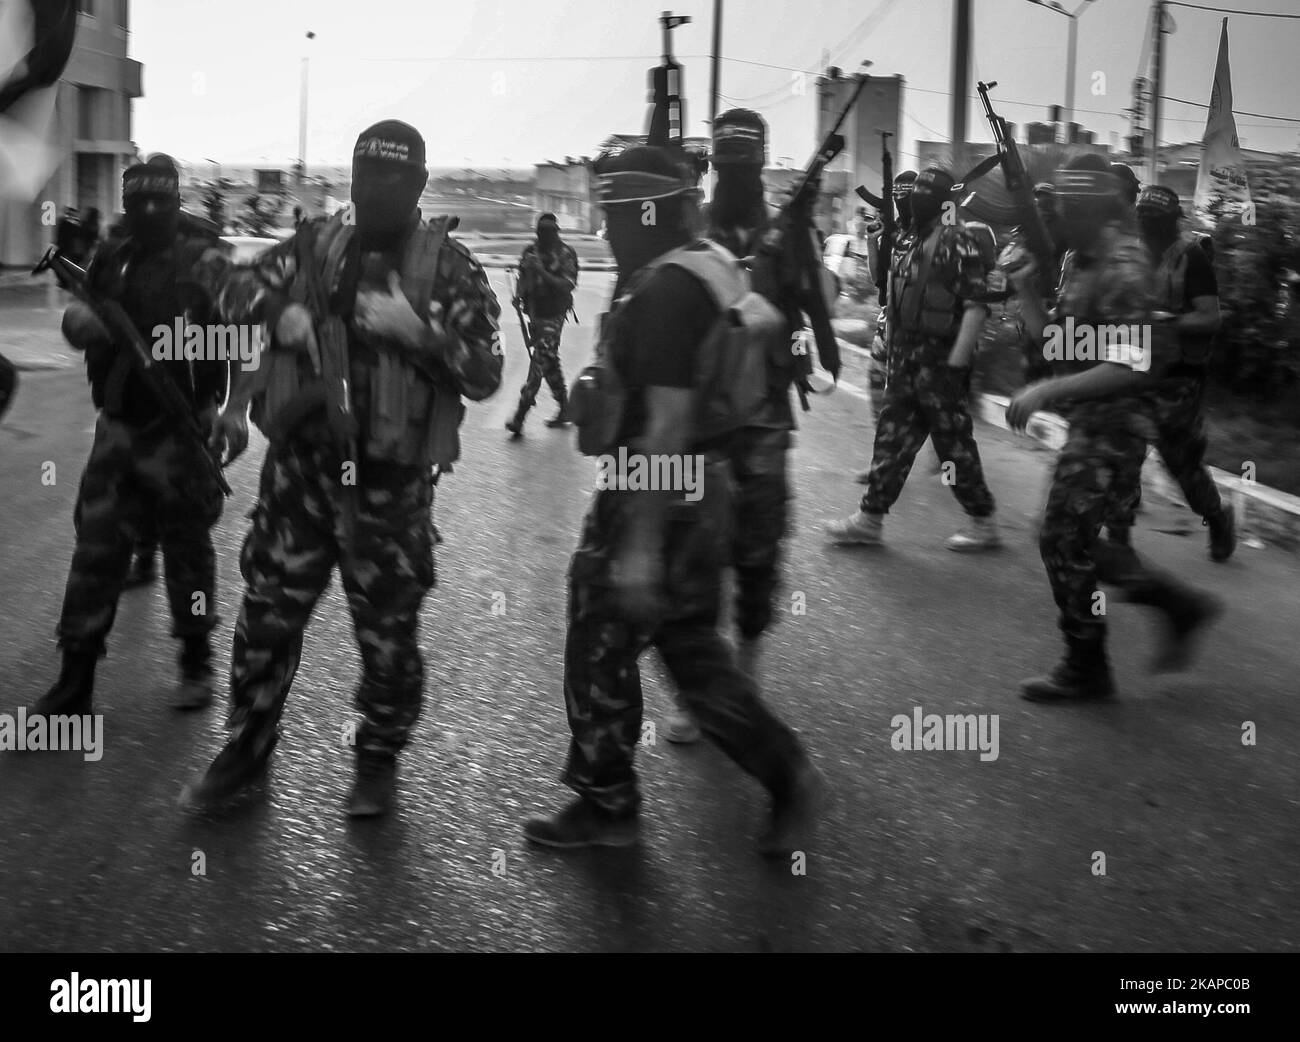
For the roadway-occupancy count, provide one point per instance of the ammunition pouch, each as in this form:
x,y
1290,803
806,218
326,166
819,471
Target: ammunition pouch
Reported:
x,y
926,308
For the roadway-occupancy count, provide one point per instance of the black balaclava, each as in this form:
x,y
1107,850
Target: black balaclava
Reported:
x,y
1157,217
931,189
903,184
388,175
151,201
739,152
548,232
1087,198
647,198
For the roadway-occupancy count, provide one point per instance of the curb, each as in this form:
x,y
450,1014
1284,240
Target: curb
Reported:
x,y
1264,514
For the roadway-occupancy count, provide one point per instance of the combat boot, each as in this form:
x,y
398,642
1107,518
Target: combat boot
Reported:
x,y
238,768
1082,675
583,824
1185,612
515,425
375,790
195,690
979,533
72,692
862,529
794,813
1223,533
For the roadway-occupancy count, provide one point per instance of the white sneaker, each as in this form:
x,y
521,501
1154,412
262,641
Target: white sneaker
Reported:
x,y
681,728
862,529
979,533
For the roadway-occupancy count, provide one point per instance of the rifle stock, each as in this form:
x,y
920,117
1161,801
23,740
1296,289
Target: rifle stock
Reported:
x,y
513,279
124,334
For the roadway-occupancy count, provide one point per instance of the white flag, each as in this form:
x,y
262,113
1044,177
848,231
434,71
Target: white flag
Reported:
x,y
1222,174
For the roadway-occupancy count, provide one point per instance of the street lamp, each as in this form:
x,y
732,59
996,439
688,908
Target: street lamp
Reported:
x,y
302,120
1072,46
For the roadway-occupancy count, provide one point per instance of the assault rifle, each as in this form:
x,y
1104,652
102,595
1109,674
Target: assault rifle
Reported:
x,y
888,209
791,247
512,280
126,337
1019,186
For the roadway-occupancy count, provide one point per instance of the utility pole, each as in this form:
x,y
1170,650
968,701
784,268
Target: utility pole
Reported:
x,y
715,73
302,125
1157,86
960,78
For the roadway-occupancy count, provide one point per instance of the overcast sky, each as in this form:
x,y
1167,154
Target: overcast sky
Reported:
x,y
514,82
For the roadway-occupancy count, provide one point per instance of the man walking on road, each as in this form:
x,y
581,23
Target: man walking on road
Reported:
x,y
1106,283
648,567
387,322
548,276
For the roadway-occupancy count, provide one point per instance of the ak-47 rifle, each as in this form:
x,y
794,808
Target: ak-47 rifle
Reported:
x,y
791,246
1019,187
126,337
888,209
512,279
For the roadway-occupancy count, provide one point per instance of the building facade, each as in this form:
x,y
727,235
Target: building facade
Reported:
x,y
92,133
568,190
879,108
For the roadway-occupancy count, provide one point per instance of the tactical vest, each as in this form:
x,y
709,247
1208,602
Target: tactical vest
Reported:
x,y
407,419
1171,288
926,307
731,366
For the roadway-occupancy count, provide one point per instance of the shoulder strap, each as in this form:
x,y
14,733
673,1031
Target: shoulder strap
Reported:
x,y
420,263
923,276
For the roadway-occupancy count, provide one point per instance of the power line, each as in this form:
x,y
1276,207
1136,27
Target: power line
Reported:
x,y
1230,10
1257,115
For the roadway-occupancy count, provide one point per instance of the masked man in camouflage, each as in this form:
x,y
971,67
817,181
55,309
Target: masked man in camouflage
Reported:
x,y
1105,392
548,274
648,567
381,323
937,309
1187,292
143,469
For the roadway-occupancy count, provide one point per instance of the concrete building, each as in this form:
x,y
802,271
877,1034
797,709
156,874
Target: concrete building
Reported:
x,y
92,132
568,190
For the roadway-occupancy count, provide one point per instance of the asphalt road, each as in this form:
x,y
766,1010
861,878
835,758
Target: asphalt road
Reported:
x,y
920,850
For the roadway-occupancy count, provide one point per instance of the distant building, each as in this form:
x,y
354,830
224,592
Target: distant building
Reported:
x,y
92,131
568,190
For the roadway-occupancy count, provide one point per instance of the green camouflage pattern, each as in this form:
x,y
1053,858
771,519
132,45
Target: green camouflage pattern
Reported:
x,y
135,478
602,684
544,364
287,559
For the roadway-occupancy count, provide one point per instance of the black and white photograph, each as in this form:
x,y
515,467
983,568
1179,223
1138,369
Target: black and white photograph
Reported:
x,y
761,477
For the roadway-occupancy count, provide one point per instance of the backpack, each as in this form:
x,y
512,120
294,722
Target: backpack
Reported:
x,y
731,367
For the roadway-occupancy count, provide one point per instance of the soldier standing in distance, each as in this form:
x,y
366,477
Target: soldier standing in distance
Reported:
x,y
1187,291
142,469
936,312
648,567
421,331
549,270
1105,281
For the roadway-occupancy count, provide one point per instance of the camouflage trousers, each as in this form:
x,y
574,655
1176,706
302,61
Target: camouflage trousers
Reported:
x,y
602,684
925,398
545,363
287,558
759,511
1181,442
134,474
1091,482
